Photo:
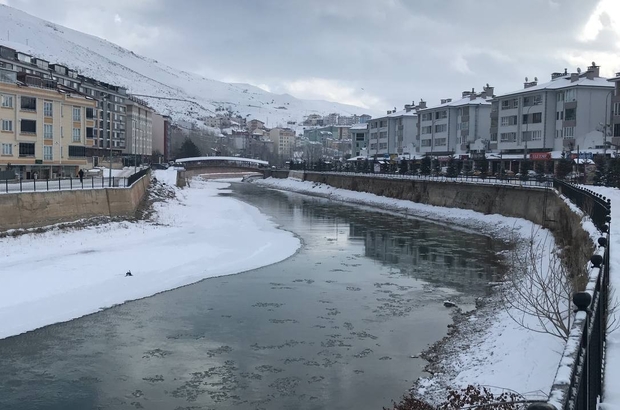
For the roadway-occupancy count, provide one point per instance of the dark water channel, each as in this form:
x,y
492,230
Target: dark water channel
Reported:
x,y
334,326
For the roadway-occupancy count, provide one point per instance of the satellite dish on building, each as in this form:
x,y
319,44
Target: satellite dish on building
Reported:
x,y
535,78
526,79
578,70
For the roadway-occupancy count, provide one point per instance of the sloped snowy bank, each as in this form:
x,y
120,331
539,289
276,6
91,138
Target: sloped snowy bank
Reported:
x,y
61,275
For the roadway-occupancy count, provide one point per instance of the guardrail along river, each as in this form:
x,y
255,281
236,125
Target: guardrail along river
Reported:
x,y
334,326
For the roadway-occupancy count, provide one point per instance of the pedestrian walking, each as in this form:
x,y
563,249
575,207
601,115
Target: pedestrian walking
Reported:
x,y
81,175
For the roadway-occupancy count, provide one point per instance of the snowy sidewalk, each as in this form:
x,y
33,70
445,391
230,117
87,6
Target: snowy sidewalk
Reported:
x,y
61,275
612,365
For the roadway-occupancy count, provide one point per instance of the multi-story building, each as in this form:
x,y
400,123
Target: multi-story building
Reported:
x,y
451,127
364,118
214,122
66,77
394,134
284,141
359,139
613,115
321,134
255,125
561,115
139,145
45,128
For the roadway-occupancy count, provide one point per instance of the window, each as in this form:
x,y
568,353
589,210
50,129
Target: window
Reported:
x,y
570,114
532,100
77,136
373,146
48,108
509,120
7,125
508,137
560,97
558,133
427,116
493,137
505,104
383,134
462,126
426,143
439,142
26,149
616,108
441,128
77,151
48,131
382,123
531,135
374,124
47,153
616,130
464,111
426,130
440,115
7,149
383,145
7,101
77,114
28,127
534,118
28,103
569,132
90,113
570,95
91,133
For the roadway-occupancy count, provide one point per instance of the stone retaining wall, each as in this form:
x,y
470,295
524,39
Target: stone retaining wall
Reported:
x,y
33,209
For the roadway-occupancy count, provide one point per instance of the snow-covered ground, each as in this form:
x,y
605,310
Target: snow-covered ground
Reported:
x,y
612,366
61,275
499,352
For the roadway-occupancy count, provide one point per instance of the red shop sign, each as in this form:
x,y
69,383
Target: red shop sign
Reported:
x,y
540,155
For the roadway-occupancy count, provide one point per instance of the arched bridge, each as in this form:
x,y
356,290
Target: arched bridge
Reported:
x,y
222,167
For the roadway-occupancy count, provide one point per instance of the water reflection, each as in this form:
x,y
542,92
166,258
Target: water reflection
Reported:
x,y
332,327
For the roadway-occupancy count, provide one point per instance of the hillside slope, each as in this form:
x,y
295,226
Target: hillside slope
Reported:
x,y
105,61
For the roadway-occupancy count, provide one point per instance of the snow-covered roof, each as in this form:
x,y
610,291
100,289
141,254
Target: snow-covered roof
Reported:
x,y
564,82
239,159
461,102
359,127
403,113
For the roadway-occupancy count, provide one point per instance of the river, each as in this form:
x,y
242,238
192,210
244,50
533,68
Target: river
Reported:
x,y
334,326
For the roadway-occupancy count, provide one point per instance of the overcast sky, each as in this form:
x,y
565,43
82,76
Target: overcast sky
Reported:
x,y
373,53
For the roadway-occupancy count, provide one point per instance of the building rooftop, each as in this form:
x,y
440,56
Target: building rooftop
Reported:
x,y
564,82
461,102
359,126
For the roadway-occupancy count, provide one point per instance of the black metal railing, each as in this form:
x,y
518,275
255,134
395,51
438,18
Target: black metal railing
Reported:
x,y
578,384
8,186
133,178
595,205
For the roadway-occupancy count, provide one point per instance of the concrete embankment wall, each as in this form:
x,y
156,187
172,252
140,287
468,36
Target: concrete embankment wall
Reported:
x,y
33,209
541,206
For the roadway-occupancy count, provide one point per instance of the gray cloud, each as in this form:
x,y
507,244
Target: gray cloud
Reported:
x,y
379,53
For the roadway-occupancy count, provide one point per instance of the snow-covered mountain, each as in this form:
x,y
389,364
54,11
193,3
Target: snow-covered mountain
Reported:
x,y
105,61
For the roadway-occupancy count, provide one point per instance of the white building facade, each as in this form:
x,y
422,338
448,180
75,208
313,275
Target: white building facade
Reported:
x,y
562,115
453,127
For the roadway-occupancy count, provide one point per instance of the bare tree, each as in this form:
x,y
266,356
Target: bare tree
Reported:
x,y
539,287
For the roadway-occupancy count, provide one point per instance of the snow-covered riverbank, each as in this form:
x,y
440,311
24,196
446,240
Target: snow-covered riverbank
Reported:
x,y
61,275
490,348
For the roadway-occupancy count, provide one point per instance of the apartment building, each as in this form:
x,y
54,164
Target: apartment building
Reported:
x,y
284,141
44,128
139,145
359,139
394,133
115,96
255,125
563,114
613,117
451,127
